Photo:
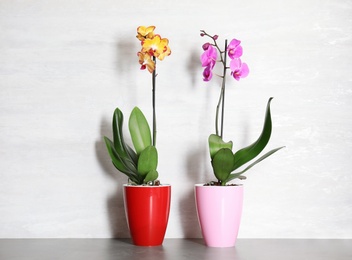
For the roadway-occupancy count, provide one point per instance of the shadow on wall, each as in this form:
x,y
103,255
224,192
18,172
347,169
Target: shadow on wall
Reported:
x,y
126,55
114,203
126,63
125,58
194,67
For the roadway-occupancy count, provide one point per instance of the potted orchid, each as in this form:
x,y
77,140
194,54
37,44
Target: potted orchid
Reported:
x,y
219,200
143,195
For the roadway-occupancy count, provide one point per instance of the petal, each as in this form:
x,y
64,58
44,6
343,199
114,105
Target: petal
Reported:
x,y
163,49
150,66
236,75
167,52
234,43
144,31
140,37
207,74
235,64
212,52
236,52
208,58
244,70
164,41
146,62
204,59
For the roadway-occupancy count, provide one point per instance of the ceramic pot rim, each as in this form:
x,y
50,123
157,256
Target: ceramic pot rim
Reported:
x,y
219,187
146,186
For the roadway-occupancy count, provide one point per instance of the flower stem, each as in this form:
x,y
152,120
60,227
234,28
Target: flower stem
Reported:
x,y
223,91
221,98
217,114
153,102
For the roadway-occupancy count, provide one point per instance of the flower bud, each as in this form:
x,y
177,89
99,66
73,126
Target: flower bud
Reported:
x,y
206,46
215,37
202,34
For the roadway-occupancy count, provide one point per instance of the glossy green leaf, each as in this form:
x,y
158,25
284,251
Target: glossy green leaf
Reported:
x,y
132,154
238,175
122,149
125,167
117,122
139,130
222,164
148,160
151,176
114,157
248,153
216,143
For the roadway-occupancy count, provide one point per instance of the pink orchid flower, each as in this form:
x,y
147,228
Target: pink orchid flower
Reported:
x,y
208,58
234,49
238,69
207,74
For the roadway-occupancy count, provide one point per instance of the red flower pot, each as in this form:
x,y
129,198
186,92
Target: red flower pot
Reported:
x,y
147,211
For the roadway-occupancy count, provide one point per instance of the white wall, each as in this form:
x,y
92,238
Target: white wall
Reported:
x,y
65,66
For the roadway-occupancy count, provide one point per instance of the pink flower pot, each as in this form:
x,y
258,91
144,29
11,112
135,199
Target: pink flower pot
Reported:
x,y
147,211
219,211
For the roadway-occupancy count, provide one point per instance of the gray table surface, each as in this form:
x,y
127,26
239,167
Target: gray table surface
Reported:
x,y
245,249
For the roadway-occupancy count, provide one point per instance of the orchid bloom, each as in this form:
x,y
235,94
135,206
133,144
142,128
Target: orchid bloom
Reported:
x,y
208,58
153,46
146,62
234,49
157,47
166,51
238,69
145,32
207,74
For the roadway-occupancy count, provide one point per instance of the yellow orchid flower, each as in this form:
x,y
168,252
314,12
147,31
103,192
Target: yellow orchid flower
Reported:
x,y
146,62
156,47
166,49
145,32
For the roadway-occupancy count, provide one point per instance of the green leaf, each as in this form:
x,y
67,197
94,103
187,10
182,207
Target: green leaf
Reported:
x,y
113,155
147,161
122,149
216,143
132,154
222,164
248,153
139,130
151,176
238,175
121,165
117,122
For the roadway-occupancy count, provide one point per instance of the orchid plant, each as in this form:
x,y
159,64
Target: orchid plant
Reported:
x,y
140,163
224,161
